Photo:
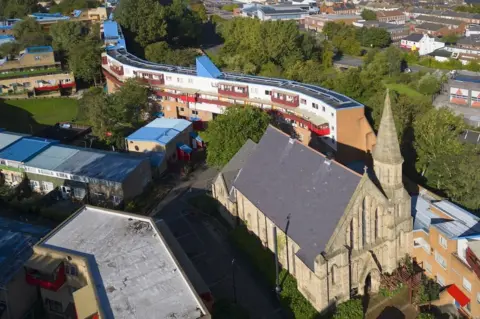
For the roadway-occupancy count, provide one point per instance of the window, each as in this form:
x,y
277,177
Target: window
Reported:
x,y
71,270
195,112
333,128
303,101
182,109
352,242
428,268
168,78
468,307
179,80
190,80
442,241
376,225
315,106
440,280
137,148
323,108
54,306
333,115
364,222
268,92
440,260
333,275
467,285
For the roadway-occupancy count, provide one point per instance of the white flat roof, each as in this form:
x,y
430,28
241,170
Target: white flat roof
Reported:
x,y
134,272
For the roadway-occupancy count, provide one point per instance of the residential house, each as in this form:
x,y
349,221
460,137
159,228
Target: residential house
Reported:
x,y
34,71
88,174
450,25
422,43
318,21
15,152
18,299
472,29
340,8
108,264
169,136
471,42
433,29
396,31
393,16
442,233
337,230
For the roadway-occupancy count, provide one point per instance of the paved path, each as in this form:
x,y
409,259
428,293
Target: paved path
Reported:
x,y
206,245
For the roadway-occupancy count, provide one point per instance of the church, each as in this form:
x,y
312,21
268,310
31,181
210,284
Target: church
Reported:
x,y
337,230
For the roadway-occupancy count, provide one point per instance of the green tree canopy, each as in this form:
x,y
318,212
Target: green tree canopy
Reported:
x,y
84,59
17,8
66,34
429,84
29,33
373,37
227,133
369,15
161,52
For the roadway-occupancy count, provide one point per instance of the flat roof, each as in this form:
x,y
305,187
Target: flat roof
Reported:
x,y
160,130
110,30
134,271
86,162
24,149
16,241
7,138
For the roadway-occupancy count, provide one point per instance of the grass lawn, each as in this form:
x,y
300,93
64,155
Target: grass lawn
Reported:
x,y
403,89
32,115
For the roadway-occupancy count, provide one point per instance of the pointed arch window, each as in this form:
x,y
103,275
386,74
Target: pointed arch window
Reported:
x,y
352,237
377,224
332,273
364,222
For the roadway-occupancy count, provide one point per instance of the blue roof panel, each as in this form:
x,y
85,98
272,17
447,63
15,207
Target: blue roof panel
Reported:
x,y
160,130
110,30
25,148
206,68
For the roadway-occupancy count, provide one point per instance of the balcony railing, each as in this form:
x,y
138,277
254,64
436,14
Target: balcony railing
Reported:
x,y
473,261
149,78
285,99
47,281
117,69
232,90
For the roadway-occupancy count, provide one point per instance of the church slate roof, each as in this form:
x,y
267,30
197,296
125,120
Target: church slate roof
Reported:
x,y
298,189
230,170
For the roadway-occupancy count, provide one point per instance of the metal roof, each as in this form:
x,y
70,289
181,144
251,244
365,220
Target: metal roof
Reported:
x,y
110,30
86,162
329,97
160,130
24,149
7,138
132,267
206,68
429,26
16,240
298,188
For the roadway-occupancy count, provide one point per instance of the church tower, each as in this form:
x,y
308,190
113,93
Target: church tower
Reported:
x,y
387,159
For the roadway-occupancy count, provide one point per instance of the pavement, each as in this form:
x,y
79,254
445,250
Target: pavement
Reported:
x,y
470,115
205,242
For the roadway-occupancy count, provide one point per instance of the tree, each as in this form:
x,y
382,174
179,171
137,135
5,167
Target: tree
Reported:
x,y
436,136
369,15
349,310
17,8
66,34
28,25
84,59
28,32
373,37
429,84
394,59
227,133
130,101
161,52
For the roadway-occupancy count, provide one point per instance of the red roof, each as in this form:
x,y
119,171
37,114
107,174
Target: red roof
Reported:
x,y
459,296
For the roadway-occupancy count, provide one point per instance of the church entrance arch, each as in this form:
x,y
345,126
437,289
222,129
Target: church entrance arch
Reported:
x,y
372,282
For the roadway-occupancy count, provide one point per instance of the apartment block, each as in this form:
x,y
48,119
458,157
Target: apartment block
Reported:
x,y
442,233
108,264
34,71
317,22
313,114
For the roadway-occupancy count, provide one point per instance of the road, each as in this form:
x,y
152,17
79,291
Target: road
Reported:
x,y
206,244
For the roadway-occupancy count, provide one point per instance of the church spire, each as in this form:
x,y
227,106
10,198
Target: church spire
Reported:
x,y
387,149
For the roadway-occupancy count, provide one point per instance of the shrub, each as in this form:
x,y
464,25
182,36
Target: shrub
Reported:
x,y
351,309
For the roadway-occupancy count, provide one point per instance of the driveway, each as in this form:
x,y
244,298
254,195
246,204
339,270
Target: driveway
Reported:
x,y
206,244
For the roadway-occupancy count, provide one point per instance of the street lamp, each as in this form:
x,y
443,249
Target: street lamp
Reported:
x,y
233,282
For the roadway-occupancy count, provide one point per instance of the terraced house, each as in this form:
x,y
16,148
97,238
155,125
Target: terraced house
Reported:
x,y
314,115
337,230
34,71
